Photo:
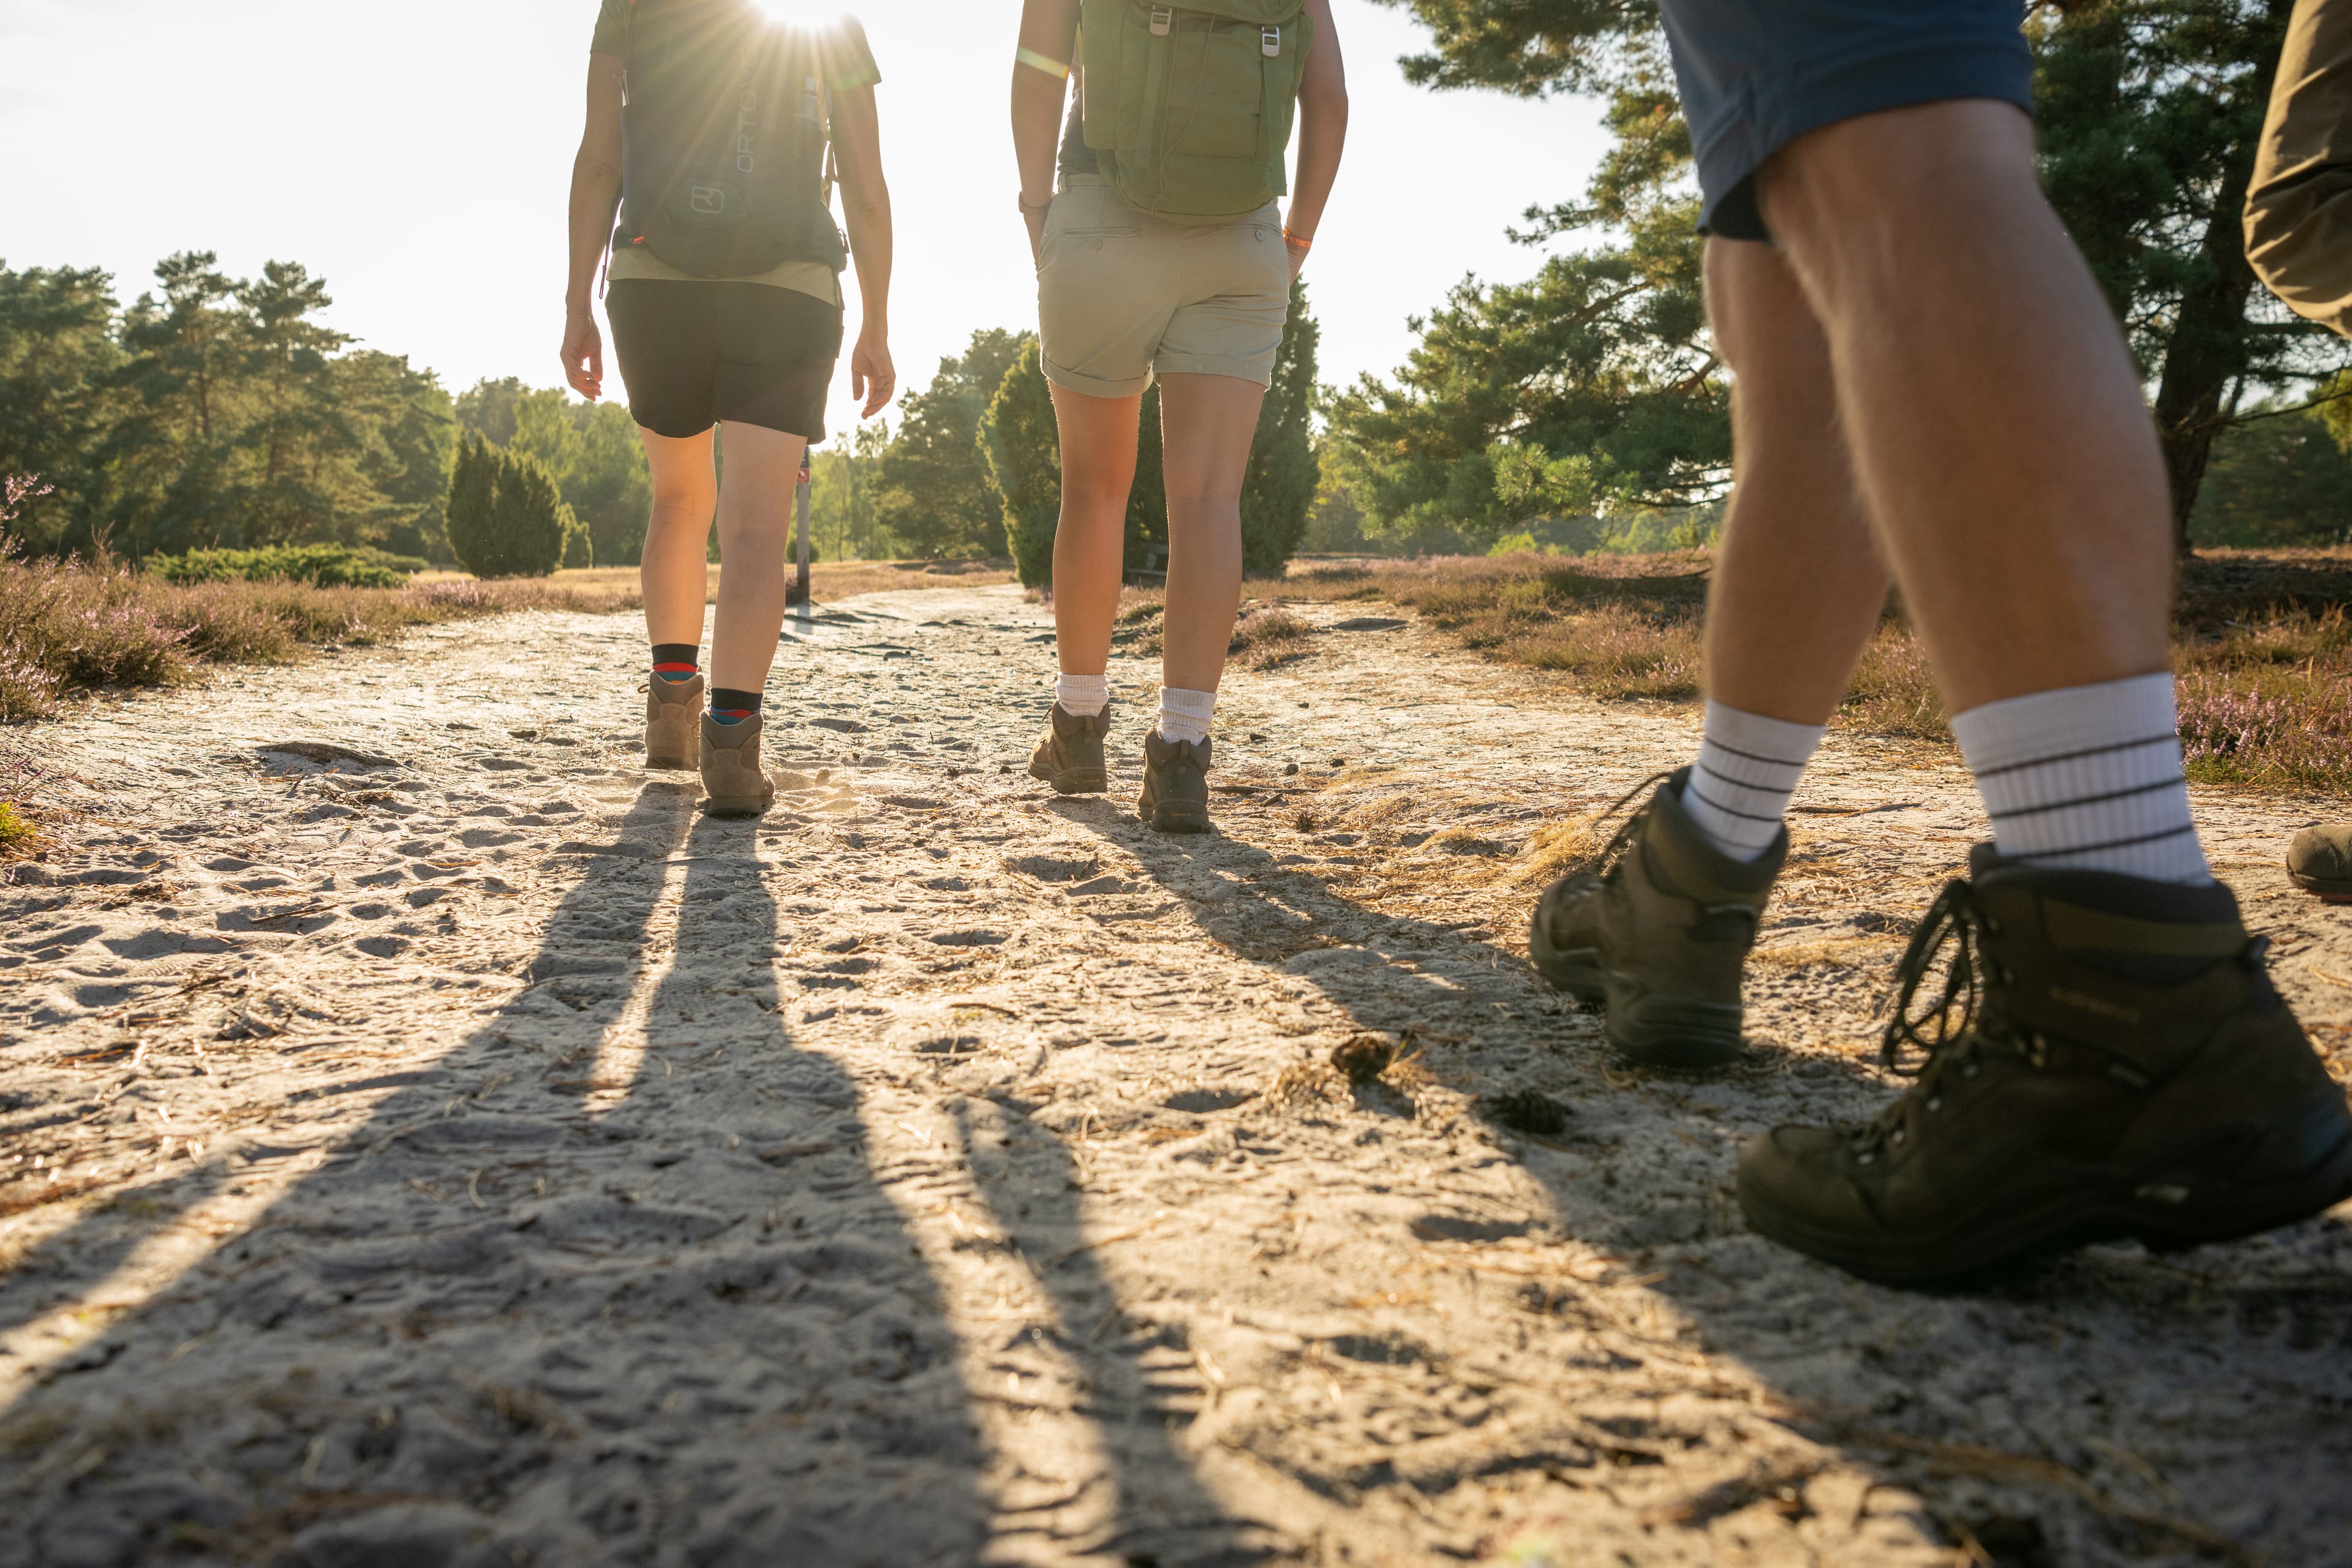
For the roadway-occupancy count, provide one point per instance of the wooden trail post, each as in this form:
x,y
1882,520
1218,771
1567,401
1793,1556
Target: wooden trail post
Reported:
x,y
801,534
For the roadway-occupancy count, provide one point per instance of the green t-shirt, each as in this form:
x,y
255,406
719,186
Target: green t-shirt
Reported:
x,y
848,64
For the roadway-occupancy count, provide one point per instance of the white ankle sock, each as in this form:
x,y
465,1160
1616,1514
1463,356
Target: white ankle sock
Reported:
x,y
2088,778
1185,715
1748,767
1082,696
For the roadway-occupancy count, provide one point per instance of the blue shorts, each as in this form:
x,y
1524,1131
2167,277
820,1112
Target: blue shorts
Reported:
x,y
1756,74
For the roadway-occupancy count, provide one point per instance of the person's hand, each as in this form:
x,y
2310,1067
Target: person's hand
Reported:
x,y
872,377
1035,218
583,353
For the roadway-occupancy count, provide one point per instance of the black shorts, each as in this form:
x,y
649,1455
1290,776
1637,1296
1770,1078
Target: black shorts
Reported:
x,y
1756,74
693,352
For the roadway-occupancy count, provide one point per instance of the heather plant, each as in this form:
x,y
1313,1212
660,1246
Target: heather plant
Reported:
x,y
321,566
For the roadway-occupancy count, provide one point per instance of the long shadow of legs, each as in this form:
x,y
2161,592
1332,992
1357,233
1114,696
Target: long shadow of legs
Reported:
x,y
611,1332
2104,1394
1161,1515
812,1336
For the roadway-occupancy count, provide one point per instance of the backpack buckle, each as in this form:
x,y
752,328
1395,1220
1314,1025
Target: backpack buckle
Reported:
x,y
1163,17
1270,42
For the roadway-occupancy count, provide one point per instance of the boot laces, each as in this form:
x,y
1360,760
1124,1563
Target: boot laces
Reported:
x,y
1604,861
1934,1012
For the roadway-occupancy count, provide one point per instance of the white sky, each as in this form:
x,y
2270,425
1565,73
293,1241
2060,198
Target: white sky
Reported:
x,y
417,155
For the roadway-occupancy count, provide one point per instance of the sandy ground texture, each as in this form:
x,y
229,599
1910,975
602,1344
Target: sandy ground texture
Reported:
x,y
425,1139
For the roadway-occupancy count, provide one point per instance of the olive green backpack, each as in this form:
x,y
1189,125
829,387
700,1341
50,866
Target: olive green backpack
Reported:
x,y
1189,107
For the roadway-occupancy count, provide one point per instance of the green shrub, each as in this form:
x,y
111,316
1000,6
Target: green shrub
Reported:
x,y
1022,448
321,566
505,517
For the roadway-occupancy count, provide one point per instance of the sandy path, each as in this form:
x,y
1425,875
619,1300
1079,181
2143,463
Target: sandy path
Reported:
x,y
485,1159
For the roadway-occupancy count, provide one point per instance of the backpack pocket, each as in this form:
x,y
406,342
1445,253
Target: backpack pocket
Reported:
x,y
1194,102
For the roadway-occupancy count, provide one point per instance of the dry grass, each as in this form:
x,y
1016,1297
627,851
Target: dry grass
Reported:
x,y
71,627
2262,641
1269,636
68,626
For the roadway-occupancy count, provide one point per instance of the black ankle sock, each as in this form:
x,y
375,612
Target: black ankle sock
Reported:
x,y
676,660
732,707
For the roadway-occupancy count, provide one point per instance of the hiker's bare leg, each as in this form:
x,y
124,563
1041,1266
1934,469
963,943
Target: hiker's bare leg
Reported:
x,y
1097,439
755,529
1996,421
673,570
1798,584
1208,423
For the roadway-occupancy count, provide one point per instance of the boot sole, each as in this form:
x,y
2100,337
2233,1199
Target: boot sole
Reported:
x,y
1675,1032
714,806
1655,1031
1168,817
2134,1208
1073,781
674,763
2335,889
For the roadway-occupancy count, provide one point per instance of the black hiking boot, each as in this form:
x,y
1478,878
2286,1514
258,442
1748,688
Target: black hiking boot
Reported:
x,y
1657,928
2105,1058
1070,757
1175,797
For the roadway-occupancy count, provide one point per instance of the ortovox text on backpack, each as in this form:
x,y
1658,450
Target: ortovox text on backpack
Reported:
x,y
724,133
1189,107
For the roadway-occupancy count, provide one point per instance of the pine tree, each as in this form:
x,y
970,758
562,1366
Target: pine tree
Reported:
x,y
1022,448
505,517
934,499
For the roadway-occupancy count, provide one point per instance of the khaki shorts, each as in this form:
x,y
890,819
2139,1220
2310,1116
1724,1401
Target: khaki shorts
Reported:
x,y
1123,295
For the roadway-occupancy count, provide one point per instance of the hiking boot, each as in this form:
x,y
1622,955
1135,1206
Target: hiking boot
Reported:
x,y
2320,861
2104,1057
1175,797
733,778
1655,929
671,709
1070,757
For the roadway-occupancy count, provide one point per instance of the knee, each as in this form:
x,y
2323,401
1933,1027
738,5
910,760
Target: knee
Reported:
x,y
1088,496
1191,508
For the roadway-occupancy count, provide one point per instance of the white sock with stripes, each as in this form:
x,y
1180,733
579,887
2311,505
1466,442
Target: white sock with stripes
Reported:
x,y
2088,778
1185,715
1748,767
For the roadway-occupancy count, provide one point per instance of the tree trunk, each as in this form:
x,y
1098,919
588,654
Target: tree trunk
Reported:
x,y
2206,348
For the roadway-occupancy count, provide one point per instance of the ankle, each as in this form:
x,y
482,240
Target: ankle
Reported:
x,y
1082,696
729,706
1185,715
1737,793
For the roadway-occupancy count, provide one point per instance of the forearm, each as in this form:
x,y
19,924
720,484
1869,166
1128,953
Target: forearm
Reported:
x,y
1037,99
595,197
867,217
1322,136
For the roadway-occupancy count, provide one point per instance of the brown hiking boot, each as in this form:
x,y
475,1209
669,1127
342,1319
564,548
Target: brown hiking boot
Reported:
x,y
2320,861
1657,928
1070,757
1175,797
2105,1058
671,709
733,778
